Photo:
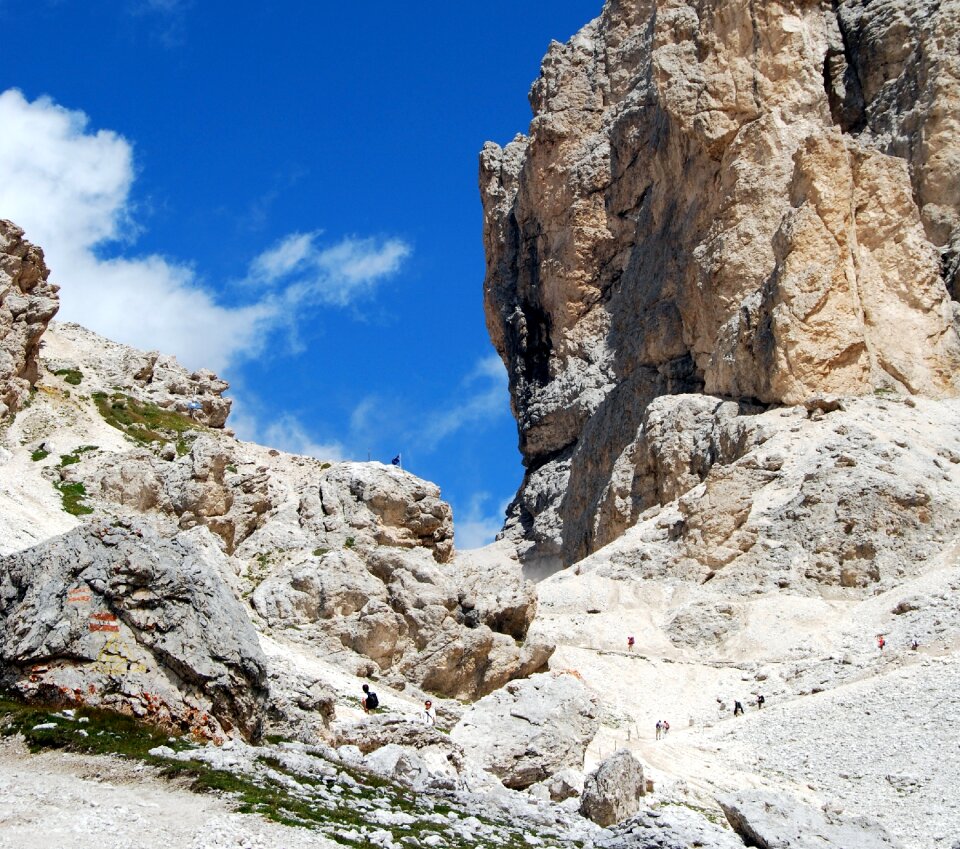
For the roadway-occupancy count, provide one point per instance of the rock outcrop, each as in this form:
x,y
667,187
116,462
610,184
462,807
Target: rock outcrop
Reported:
x,y
351,560
401,610
530,729
778,821
754,201
612,793
384,504
98,364
120,616
28,301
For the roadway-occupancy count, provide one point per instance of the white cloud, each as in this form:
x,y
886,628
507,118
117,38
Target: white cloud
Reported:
x,y
484,396
288,434
336,275
285,257
69,188
284,432
477,528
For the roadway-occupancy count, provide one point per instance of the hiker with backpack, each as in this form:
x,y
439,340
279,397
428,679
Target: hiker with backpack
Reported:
x,y
369,701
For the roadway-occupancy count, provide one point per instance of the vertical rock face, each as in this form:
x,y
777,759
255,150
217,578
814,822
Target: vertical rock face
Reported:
x,y
759,201
27,303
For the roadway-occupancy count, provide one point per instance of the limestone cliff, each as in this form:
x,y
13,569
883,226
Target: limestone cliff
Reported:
x,y
27,303
757,201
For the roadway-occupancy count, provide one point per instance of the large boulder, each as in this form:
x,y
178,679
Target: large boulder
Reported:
x,y
771,820
27,303
530,729
119,615
612,792
400,609
383,505
378,730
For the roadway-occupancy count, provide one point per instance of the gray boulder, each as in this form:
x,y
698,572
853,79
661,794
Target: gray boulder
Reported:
x,y
530,729
670,826
770,820
120,616
375,732
612,793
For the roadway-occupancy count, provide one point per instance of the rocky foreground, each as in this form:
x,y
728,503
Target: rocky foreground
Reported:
x,y
721,273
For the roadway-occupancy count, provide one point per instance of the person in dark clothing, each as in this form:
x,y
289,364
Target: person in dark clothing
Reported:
x,y
737,708
369,700
760,700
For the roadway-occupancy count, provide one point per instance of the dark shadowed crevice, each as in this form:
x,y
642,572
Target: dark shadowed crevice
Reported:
x,y
842,82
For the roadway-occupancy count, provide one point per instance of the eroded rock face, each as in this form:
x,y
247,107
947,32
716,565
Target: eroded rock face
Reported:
x,y
120,616
860,498
749,200
27,303
530,729
147,376
392,507
400,609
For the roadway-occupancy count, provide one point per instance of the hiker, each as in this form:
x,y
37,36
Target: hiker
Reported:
x,y
429,714
737,708
630,642
666,727
915,644
659,729
760,700
369,700
881,642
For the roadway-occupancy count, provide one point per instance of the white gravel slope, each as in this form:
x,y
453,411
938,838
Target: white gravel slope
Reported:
x,y
56,800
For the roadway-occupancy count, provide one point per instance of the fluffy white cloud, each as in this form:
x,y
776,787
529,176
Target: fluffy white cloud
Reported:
x,y
69,188
288,434
336,275
284,431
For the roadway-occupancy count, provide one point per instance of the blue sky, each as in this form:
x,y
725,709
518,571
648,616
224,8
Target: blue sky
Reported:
x,y
286,193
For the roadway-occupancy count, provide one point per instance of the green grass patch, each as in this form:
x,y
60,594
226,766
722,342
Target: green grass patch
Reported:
x,y
319,552
73,376
74,456
39,455
144,422
101,732
72,495
349,542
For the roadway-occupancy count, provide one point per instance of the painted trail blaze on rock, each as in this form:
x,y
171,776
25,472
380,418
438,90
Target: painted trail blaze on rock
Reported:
x,y
103,622
183,654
